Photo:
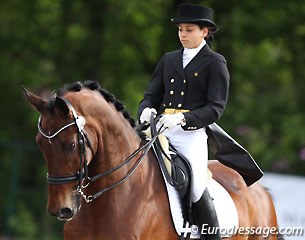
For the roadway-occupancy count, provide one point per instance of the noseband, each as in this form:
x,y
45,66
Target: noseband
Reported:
x,y
82,175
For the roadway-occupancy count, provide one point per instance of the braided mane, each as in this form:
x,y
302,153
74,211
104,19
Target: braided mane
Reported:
x,y
95,86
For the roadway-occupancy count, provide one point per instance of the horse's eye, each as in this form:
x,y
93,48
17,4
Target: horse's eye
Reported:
x,y
71,147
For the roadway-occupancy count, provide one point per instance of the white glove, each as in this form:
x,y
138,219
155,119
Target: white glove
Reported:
x,y
146,113
169,121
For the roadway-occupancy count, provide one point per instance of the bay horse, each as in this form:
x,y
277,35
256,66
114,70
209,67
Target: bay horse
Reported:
x,y
105,182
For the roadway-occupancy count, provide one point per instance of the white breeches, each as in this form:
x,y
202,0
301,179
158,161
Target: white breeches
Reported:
x,y
193,145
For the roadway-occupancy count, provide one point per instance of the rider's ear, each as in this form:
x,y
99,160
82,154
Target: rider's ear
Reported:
x,y
61,105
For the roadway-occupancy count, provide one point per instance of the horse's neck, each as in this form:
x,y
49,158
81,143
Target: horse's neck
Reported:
x,y
139,197
145,182
117,145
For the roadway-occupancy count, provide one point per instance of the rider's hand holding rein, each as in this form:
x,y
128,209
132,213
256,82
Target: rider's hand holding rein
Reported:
x,y
169,121
146,114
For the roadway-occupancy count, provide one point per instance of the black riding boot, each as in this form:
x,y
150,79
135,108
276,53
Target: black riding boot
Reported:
x,y
204,213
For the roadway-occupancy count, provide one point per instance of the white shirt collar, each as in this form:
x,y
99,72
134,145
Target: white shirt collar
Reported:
x,y
190,53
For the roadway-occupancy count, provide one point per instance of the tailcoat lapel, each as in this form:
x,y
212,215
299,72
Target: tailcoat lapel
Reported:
x,y
198,61
176,61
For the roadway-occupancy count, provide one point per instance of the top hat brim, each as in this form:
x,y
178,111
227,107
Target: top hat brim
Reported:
x,y
199,21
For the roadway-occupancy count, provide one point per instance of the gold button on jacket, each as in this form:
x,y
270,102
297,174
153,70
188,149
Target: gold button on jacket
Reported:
x,y
201,87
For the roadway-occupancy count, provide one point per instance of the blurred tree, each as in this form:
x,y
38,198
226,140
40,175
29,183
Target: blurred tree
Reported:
x,y
262,43
45,44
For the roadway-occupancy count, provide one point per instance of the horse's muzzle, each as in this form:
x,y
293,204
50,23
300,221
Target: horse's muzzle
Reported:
x,y
65,214
66,211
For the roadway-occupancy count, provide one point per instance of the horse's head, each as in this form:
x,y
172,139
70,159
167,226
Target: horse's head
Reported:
x,y
77,127
68,143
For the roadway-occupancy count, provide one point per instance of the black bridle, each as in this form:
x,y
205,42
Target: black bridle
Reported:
x,y
82,139
82,175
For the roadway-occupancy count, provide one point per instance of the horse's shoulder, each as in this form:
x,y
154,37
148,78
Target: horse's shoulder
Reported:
x,y
227,177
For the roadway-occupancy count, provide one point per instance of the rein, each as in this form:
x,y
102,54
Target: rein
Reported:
x,y
82,175
145,148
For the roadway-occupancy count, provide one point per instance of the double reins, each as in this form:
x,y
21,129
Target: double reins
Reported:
x,y
145,148
82,175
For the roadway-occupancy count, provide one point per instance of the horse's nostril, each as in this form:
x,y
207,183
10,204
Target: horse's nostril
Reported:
x,y
65,214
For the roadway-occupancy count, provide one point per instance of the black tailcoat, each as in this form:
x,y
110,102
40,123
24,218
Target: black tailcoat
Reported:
x,y
201,87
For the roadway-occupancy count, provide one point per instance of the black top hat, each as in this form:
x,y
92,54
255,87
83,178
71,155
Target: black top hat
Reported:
x,y
190,13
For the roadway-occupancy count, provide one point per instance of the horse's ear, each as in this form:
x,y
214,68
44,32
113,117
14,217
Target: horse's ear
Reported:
x,y
36,101
61,104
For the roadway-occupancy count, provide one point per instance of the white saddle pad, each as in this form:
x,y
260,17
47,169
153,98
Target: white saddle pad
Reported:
x,y
224,205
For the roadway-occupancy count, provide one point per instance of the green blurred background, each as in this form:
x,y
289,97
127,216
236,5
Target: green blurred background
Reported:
x,y
47,43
